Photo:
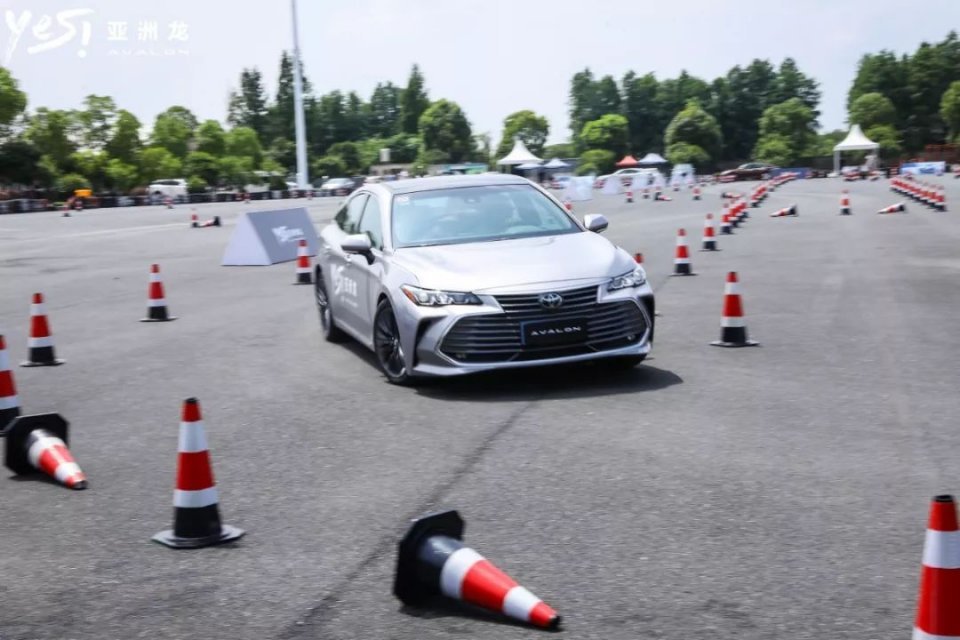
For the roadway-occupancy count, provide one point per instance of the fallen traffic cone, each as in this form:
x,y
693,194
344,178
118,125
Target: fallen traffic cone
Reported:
x,y
304,275
629,197
662,198
733,326
39,443
938,605
212,222
681,261
9,403
894,208
196,514
568,205
40,347
156,301
432,559
785,212
709,239
845,204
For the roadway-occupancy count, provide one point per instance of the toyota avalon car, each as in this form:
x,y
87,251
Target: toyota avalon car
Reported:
x,y
455,275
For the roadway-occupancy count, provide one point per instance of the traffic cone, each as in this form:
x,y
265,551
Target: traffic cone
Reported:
x,y
638,258
938,604
156,301
646,193
894,208
696,192
629,196
40,347
212,222
304,271
169,202
790,211
9,403
66,210
432,559
733,326
568,205
681,261
845,204
39,443
196,514
194,221
733,216
940,199
709,239
726,228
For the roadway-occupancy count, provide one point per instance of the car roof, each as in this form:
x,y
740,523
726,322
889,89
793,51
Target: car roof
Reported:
x,y
449,182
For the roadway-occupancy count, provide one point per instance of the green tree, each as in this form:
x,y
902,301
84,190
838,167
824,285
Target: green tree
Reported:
x,y
950,110
413,102
673,94
775,149
158,163
403,147
283,152
695,128
529,127
748,94
610,132
601,160
327,122
210,138
887,137
586,169
827,141
92,165
444,127
280,115
243,142
124,144
792,83
872,109
329,167
384,110
355,115
173,129
350,153
70,182
248,107
97,120
790,122
585,101
49,131
608,95
882,73
203,165
196,184
235,171
121,176
12,100
685,153
18,159
560,150
47,174
640,109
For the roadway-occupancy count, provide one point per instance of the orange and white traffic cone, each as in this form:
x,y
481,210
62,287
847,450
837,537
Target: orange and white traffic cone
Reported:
x,y
432,559
790,211
568,205
638,258
39,443
194,221
156,300
196,511
709,235
696,192
894,208
845,203
304,271
40,349
169,202
9,402
681,260
940,199
629,196
733,325
938,605
212,222
726,227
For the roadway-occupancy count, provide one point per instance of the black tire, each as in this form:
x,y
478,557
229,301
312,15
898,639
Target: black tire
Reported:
x,y
331,332
386,345
624,363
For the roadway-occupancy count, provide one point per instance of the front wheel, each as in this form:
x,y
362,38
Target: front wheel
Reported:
x,y
331,332
386,344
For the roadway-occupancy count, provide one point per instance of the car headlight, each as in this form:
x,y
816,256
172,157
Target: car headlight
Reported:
x,y
634,278
436,298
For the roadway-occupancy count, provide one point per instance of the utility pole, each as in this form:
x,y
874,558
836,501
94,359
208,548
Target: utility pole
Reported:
x,y
303,181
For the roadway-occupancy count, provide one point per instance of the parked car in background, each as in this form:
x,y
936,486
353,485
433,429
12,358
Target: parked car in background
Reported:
x,y
338,186
750,171
625,176
168,188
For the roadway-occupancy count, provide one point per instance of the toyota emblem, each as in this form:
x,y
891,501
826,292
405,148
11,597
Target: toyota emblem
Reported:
x,y
551,300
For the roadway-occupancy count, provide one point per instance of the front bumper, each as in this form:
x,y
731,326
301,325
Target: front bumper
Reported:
x,y
429,353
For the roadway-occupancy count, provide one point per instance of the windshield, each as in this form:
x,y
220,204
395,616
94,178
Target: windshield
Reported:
x,y
476,214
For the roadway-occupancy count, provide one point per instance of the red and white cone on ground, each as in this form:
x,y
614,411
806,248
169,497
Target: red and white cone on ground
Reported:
x,y
196,511
212,222
709,234
696,192
638,258
733,325
845,203
433,560
9,402
629,196
169,202
726,227
39,443
790,211
681,260
568,205
194,220
940,199
894,208
304,270
156,300
938,605
40,349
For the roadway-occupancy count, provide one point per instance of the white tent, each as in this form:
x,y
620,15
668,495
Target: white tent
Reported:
x,y
652,158
528,166
855,141
519,155
556,163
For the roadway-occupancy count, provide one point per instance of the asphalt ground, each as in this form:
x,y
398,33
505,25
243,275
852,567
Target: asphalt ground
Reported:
x,y
779,491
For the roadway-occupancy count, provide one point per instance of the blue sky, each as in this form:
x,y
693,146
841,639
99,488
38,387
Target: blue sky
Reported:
x,y
493,57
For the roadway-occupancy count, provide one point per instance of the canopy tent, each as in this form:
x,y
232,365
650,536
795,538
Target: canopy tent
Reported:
x,y
556,163
855,141
627,161
519,155
652,158
527,166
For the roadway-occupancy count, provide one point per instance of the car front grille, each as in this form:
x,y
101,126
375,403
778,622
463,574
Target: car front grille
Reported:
x,y
496,337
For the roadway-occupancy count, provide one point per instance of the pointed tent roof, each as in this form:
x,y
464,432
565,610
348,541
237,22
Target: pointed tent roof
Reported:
x,y
519,155
556,163
855,141
652,158
526,166
628,161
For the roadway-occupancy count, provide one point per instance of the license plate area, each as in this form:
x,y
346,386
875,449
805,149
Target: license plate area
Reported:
x,y
550,333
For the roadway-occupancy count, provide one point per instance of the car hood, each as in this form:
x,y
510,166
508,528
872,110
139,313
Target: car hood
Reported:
x,y
572,259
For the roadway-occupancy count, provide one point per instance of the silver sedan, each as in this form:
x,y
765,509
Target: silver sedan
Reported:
x,y
455,275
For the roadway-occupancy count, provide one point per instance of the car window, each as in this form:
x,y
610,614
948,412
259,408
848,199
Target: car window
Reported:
x,y
348,218
370,223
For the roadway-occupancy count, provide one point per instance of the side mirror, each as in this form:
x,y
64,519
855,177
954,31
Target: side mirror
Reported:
x,y
359,244
595,222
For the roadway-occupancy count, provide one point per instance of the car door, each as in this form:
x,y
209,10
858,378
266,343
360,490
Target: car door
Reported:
x,y
342,287
368,275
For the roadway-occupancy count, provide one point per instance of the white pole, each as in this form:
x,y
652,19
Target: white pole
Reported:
x,y
301,127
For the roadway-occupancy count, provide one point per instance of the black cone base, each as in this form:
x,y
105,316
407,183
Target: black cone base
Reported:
x,y
157,314
227,534
304,278
48,363
407,584
682,270
748,343
167,319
